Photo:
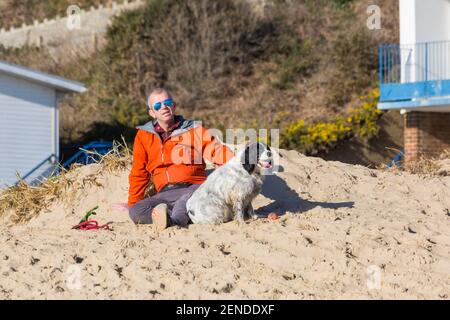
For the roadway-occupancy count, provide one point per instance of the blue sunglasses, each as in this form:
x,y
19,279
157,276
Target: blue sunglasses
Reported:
x,y
167,103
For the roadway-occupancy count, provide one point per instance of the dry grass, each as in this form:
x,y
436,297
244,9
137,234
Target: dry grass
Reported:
x,y
424,166
24,201
117,159
431,166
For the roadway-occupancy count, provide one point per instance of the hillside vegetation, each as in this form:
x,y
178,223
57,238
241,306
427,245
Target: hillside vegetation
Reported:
x,y
226,63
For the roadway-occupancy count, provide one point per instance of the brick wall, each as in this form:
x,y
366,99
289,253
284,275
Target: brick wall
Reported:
x,y
426,133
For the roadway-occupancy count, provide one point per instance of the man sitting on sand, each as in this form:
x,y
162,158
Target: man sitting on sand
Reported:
x,y
169,149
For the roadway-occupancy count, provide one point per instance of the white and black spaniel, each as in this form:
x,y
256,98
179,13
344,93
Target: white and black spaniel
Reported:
x,y
228,192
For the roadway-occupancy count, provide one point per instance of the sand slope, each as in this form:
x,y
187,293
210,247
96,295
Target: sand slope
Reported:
x,y
341,222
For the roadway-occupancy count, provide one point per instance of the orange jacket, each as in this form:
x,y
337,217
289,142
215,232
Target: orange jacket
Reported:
x,y
178,159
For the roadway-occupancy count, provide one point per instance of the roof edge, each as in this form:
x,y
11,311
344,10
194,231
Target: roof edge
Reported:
x,y
57,82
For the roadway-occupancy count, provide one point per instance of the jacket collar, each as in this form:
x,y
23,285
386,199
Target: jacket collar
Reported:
x,y
185,125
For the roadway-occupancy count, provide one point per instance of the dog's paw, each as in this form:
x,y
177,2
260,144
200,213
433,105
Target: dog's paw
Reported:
x,y
240,220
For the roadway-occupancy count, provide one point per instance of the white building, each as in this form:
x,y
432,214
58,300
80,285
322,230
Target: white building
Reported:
x,y
415,76
29,131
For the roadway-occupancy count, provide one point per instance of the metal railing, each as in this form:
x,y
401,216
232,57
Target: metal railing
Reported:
x,y
418,62
51,158
414,71
89,153
397,160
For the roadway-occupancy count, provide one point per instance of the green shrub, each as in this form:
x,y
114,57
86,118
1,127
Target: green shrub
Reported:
x,y
187,46
294,58
355,60
342,3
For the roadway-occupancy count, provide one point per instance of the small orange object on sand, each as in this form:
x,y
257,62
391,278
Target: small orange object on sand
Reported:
x,y
272,216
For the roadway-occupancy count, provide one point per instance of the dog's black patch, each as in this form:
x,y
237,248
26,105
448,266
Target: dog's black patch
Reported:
x,y
250,168
251,156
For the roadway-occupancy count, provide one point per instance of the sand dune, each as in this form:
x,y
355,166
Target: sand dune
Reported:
x,y
340,223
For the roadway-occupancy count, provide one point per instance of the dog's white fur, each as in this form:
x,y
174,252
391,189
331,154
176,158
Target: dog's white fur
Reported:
x,y
228,192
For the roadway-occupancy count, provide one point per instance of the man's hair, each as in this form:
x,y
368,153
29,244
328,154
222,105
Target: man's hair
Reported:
x,y
157,91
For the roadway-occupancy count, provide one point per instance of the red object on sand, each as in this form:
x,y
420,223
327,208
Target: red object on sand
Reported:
x,y
272,216
91,225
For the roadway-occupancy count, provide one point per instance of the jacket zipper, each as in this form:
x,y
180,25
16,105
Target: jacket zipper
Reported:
x,y
162,148
162,159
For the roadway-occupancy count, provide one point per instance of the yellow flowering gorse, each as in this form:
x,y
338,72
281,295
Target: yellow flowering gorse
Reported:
x,y
360,121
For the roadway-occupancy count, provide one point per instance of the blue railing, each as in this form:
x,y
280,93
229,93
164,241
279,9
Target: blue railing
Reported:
x,y
397,160
420,70
89,153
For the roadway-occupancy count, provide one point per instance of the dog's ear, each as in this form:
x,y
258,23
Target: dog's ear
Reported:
x,y
246,159
261,148
265,148
250,168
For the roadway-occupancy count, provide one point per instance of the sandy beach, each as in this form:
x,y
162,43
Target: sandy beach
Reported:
x,y
344,231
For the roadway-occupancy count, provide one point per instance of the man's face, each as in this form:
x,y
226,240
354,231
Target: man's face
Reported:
x,y
165,114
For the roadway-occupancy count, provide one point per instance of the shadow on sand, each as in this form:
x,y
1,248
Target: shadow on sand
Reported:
x,y
285,199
